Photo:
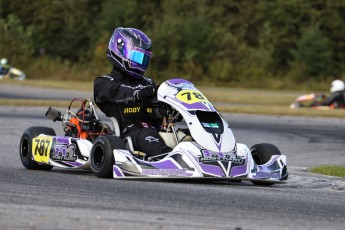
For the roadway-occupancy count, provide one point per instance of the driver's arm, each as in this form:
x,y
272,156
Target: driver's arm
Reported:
x,y
108,89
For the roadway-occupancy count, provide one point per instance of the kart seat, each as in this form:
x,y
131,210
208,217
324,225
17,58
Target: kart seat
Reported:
x,y
128,140
129,144
169,138
116,126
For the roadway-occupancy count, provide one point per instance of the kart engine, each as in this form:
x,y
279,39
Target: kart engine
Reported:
x,y
83,124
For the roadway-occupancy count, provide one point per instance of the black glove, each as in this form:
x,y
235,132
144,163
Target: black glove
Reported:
x,y
144,93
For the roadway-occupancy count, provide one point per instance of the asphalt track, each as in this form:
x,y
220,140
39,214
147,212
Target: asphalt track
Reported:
x,y
65,199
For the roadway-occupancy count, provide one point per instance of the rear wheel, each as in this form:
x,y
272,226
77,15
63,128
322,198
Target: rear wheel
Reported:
x,y
25,147
102,157
262,153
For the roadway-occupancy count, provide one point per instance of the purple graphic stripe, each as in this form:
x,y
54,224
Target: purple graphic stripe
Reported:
x,y
62,140
178,81
265,167
117,171
238,170
168,164
74,164
194,106
212,169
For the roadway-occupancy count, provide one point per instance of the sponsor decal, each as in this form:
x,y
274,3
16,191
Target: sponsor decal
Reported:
x,y
135,110
131,110
151,139
140,86
207,155
64,151
164,172
210,125
275,175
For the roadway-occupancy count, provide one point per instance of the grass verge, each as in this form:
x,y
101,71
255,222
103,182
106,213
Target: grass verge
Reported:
x,y
338,171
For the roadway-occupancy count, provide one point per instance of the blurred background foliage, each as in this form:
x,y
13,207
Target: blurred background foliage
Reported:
x,y
240,43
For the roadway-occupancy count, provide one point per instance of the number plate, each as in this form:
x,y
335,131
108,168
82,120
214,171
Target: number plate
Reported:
x,y
191,96
41,148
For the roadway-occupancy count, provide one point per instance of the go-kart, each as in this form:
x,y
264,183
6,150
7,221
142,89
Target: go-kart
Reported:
x,y
203,144
12,73
313,101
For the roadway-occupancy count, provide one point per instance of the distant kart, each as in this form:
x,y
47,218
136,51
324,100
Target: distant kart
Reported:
x,y
314,101
203,144
13,73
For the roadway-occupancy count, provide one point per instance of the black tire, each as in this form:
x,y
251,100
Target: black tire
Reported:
x,y
25,147
102,157
262,153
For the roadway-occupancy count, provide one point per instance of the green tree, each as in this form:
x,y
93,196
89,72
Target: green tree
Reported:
x,y
313,51
332,25
224,41
61,28
15,40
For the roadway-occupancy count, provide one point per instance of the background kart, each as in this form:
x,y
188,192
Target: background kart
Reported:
x,y
314,101
13,73
203,144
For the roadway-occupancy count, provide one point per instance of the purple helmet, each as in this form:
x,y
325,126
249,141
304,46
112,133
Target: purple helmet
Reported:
x,y
130,49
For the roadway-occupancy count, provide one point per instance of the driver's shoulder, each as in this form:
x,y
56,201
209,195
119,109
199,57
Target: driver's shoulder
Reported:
x,y
148,81
108,78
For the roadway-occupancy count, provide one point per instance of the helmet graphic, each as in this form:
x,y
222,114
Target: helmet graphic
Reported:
x,y
337,85
130,49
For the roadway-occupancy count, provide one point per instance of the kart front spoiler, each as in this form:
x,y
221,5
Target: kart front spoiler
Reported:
x,y
182,163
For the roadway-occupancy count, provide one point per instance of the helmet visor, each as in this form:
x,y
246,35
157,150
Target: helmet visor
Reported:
x,y
139,57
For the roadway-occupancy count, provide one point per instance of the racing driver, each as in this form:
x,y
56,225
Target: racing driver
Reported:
x,y
129,51
337,94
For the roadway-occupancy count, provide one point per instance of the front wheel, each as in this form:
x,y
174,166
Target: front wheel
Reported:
x,y
262,153
102,157
25,147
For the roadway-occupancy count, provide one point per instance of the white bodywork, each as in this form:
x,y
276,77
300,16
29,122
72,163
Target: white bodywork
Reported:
x,y
213,151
